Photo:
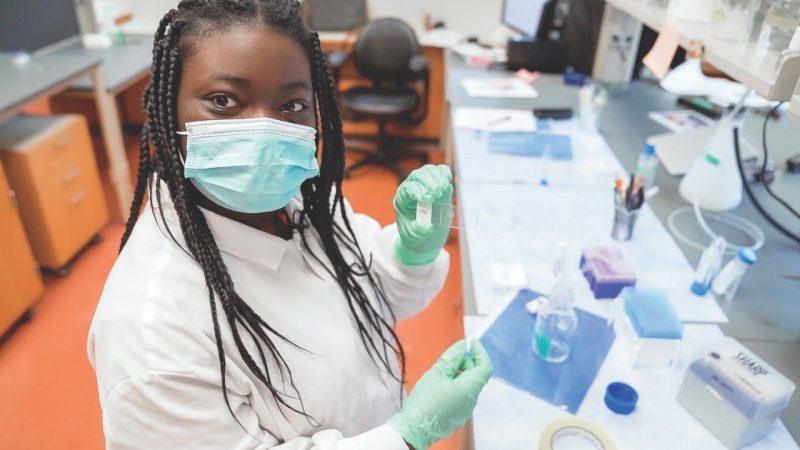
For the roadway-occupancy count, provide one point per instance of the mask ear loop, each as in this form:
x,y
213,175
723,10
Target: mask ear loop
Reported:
x,y
180,155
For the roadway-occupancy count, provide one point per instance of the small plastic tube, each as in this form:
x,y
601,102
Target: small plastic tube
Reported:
x,y
424,213
709,265
727,282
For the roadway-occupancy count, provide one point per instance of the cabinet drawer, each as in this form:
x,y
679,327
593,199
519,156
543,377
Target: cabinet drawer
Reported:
x,y
72,219
64,154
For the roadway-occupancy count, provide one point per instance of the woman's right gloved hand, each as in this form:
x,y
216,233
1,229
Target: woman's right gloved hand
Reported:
x,y
443,399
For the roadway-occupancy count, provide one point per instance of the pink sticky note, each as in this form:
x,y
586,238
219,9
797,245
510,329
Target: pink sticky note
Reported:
x,y
660,56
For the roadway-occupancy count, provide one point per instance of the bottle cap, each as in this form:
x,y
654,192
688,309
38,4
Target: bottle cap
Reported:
x,y
649,149
621,398
747,256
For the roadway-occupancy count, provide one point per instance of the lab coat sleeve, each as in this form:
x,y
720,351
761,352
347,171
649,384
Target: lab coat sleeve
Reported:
x,y
157,410
409,289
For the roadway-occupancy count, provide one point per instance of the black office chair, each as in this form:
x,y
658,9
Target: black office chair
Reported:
x,y
386,52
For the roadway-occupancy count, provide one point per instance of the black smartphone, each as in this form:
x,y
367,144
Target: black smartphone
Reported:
x,y
552,113
702,105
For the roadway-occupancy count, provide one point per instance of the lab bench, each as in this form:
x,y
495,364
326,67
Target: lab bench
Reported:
x,y
501,199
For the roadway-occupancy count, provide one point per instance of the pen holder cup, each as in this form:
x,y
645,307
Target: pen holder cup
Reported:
x,y
624,221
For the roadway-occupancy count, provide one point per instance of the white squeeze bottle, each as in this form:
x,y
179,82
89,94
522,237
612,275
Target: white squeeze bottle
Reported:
x,y
714,178
727,282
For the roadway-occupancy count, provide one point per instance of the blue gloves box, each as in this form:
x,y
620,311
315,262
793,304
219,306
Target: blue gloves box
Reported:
x,y
536,144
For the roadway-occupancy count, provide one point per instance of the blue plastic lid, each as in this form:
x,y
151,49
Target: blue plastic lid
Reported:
x,y
747,256
621,398
649,150
699,288
651,314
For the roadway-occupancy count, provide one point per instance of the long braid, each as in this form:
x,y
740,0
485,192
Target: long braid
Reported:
x,y
332,174
148,132
322,196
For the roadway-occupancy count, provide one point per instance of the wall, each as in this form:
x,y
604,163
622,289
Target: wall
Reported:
x,y
473,17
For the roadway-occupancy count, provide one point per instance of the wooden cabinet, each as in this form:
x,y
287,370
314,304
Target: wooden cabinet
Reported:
x,y
50,165
20,282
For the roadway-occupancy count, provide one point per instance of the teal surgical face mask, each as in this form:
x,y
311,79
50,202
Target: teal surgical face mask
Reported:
x,y
249,165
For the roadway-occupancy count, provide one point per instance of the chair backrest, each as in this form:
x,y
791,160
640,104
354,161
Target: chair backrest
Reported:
x,y
384,49
336,15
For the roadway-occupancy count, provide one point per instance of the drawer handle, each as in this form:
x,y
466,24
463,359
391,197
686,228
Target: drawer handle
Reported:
x,y
77,198
65,141
12,195
72,175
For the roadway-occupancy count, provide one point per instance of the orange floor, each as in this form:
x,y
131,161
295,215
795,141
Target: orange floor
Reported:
x,y
48,397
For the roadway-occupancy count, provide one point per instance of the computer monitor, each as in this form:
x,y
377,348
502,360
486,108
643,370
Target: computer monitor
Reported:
x,y
30,25
523,16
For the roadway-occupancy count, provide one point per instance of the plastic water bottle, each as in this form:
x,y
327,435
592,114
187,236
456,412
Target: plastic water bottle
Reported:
x,y
646,166
555,322
727,282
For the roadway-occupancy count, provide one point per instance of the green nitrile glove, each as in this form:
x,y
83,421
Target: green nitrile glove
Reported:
x,y
444,397
420,243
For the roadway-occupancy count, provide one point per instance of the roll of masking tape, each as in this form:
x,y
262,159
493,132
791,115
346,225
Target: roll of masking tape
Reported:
x,y
574,434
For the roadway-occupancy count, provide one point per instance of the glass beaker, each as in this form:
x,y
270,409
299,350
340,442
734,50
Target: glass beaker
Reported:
x,y
624,221
555,322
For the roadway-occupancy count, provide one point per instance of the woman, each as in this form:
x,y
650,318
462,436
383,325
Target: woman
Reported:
x,y
251,308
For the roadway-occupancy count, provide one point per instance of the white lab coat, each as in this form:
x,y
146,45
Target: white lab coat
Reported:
x,y
152,343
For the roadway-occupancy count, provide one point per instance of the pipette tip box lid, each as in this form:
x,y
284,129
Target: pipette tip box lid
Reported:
x,y
606,270
649,325
734,393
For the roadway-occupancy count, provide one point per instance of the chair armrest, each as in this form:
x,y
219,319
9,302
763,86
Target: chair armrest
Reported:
x,y
419,64
337,59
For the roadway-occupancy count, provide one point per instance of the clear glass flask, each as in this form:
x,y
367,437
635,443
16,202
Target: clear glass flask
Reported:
x,y
555,322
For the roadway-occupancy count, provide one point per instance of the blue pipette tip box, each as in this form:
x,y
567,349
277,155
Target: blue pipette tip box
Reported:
x,y
651,314
650,326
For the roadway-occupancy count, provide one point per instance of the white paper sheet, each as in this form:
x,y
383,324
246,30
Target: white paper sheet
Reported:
x,y
498,87
471,51
492,119
442,38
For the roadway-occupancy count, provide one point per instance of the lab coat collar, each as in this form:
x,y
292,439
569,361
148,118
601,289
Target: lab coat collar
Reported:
x,y
234,238
246,242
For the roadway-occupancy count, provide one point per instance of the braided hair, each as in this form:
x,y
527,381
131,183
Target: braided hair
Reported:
x,y
323,200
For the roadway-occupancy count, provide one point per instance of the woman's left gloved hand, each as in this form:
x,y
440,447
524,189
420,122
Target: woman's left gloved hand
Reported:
x,y
443,399
420,243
